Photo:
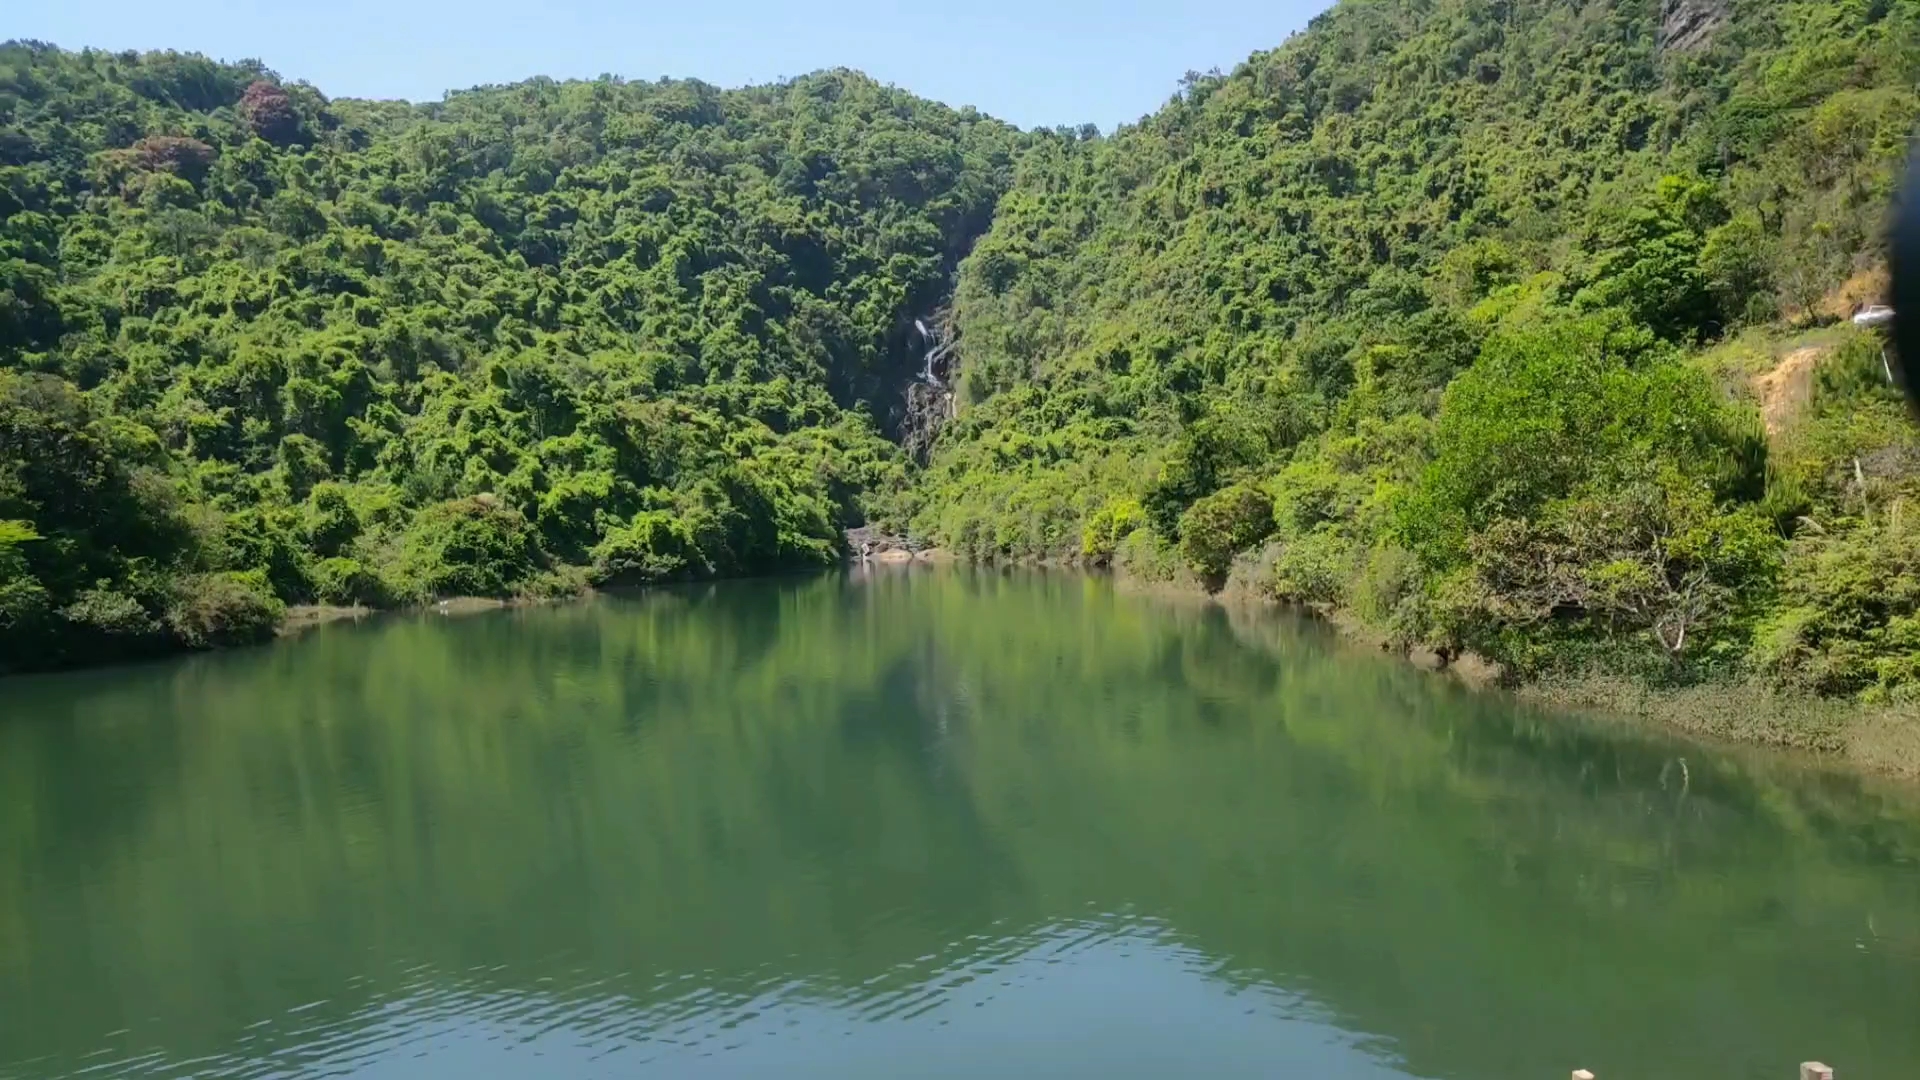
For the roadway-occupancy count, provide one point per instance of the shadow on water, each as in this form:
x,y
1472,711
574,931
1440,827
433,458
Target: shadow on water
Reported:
x,y
980,822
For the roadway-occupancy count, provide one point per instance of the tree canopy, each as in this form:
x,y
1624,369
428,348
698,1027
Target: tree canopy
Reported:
x,y
1446,313
523,339
1449,286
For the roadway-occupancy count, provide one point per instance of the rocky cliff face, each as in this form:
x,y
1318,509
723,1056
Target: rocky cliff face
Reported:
x,y
928,397
1691,24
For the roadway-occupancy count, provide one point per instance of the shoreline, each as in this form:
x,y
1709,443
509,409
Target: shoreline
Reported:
x,y
1869,738
301,618
1881,740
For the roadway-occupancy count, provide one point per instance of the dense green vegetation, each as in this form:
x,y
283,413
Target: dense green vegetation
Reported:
x,y
1445,314
258,347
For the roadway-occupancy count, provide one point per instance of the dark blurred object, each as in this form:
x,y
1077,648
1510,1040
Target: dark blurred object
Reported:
x,y
1904,294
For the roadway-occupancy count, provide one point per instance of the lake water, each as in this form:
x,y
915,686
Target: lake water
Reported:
x,y
915,824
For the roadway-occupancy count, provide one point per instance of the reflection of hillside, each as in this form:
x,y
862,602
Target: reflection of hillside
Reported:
x,y
848,789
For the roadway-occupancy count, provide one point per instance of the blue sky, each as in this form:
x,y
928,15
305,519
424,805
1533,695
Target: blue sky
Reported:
x,y
1034,63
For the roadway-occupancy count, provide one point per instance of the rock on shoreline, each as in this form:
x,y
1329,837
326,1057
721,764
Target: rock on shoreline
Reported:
x,y
871,544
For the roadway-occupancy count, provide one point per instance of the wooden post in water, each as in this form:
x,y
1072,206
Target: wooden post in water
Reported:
x,y
1813,1070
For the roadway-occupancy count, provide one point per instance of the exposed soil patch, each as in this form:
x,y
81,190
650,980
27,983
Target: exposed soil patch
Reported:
x,y
1866,287
1784,390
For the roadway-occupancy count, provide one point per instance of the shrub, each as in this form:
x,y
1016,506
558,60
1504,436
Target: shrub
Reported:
x,y
332,523
114,614
1388,578
1737,260
267,538
476,546
1221,525
347,581
1851,622
303,464
655,546
1147,556
1314,568
24,601
1577,406
569,512
559,582
232,608
101,623
1659,558
1307,492
1110,525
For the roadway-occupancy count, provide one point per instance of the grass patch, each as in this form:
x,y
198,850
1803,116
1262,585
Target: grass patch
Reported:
x,y
1877,738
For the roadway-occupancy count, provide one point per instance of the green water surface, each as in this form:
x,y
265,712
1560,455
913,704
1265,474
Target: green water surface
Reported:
x,y
915,824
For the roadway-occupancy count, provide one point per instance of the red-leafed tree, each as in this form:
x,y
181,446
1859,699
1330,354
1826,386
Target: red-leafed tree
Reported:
x,y
269,111
186,158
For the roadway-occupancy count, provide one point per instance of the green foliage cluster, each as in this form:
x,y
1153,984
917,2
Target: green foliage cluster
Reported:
x,y
1218,526
1848,617
1403,318
1429,280
258,347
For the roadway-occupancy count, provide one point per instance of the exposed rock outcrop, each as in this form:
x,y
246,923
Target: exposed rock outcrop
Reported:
x,y
1691,24
929,397
869,542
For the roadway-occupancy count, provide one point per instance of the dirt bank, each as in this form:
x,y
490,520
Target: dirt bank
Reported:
x,y
302,617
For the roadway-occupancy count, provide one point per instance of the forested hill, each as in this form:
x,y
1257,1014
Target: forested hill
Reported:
x,y
1445,313
1460,316
259,347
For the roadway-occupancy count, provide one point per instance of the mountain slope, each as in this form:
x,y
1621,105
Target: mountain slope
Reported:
x,y
261,347
1445,313
1401,314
